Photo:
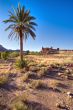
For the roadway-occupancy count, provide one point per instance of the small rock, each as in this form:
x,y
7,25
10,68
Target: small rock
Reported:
x,y
67,71
70,94
60,74
57,104
62,106
66,77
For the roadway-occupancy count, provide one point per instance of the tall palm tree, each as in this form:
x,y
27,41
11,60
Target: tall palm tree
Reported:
x,y
21,25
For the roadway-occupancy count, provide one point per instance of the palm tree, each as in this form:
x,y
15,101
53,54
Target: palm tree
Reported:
x,y
21,25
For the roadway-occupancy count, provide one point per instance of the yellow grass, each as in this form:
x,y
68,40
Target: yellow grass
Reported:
x,y
62,58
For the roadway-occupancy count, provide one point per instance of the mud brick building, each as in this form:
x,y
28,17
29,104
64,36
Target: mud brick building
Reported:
x,y
49,51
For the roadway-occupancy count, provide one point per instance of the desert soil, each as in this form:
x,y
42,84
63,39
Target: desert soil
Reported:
x,y
44,98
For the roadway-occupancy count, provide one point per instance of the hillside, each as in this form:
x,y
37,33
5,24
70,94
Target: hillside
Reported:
x,y
2,48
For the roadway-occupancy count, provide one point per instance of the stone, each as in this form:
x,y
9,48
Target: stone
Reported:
x,y
60,74
61,106
70,94
66,77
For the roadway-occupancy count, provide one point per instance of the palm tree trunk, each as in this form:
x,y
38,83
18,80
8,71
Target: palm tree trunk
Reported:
x,y
21,46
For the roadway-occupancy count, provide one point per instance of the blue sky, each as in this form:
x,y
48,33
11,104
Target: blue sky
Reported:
x,y
54,19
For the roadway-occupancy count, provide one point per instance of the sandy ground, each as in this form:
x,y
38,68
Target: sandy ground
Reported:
x,y
43,98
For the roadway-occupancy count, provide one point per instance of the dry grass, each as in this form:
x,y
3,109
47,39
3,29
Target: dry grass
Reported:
x,y
42,72
37,84
40,65
3,80
54,83
20,102
26,76
62,58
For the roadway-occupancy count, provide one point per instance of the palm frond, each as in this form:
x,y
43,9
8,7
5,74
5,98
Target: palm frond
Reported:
x,y
10,27
32,34
33,23
31,27
21,20
11,34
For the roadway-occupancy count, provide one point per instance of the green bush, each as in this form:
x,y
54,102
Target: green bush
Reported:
x,y
34,53
21,64
0,55
5,55
14,54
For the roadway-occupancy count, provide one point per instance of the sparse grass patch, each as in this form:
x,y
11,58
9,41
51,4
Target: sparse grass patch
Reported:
x,y
41,65
31,63
21,64
4,55
20,102
34,68
25,77
0,55
54,83
57,65
14,54
3,80
28,75
42,72
37,84
19,105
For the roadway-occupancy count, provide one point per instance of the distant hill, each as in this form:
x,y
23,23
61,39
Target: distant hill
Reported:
x,y
2,48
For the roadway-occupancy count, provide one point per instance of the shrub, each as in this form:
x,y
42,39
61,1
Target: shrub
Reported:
x,y
5,55
29,75
25,77
3,80
0,55
54,83
20,102
27,52
14,54
21,64
34,53
42,72
41,65
19,105
33,68
36,84
31,63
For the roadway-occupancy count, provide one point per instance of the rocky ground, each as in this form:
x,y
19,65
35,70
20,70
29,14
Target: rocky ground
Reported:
x,y
41,86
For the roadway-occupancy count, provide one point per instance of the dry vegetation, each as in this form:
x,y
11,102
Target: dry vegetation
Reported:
x,y
45,83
